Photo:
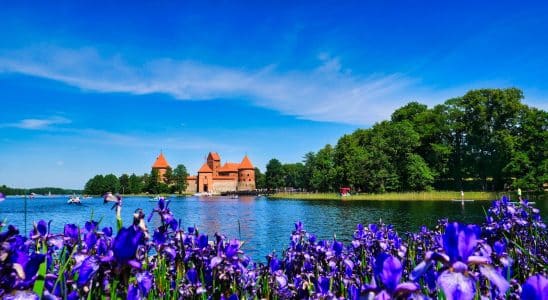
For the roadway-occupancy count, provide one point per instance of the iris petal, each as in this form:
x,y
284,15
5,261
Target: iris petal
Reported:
x,y
495,278
536,287
456,286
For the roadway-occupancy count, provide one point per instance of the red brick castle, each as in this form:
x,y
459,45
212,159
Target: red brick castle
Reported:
x,y
214,178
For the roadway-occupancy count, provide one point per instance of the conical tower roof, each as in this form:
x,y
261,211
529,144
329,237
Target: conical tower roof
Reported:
x,y
160,162
246,163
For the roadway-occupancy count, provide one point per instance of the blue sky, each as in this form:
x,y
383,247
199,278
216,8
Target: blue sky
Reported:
x,y
95,87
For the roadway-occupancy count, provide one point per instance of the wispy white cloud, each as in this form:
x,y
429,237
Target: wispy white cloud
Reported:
x,y
326,93
37,124
91,136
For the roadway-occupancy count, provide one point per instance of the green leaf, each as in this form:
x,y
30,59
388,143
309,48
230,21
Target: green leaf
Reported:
x,y
38,287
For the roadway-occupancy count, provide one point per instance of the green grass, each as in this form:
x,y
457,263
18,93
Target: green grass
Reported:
x,y
423,196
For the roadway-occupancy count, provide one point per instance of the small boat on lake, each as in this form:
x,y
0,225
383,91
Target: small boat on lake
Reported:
x,y
74,200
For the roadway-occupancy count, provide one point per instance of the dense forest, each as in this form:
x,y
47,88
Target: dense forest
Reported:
x,y
485,140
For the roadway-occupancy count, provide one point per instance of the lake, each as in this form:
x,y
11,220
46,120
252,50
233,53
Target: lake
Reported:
x,y
264,224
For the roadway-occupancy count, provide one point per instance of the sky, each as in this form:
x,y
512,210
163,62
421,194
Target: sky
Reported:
x,y
101,87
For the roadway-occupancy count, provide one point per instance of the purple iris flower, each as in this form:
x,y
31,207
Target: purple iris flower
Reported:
x,y
389,270
107,231
536,287
299,226
2,197
91,225
338,247
87,270
26,266
231,250
323,285
71,231
192,276
144,282
460,243
202,241
161,203
90,239
274,264
42,228
126,242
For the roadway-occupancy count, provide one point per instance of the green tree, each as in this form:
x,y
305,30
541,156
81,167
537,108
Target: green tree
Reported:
x,y
153,182
95,186
274,175
294,175
179,178
419,177
260,179
323,170
124,183
136,184
112,184
168,176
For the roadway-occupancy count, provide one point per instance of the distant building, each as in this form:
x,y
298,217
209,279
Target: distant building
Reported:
x,y
161,165
230,177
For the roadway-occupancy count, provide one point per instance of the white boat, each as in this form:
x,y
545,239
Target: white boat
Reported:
x,y
155,199
74,200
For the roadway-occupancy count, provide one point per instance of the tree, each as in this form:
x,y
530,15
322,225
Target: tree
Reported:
x,y
274,175
419,177
95,186
260,180
179,178
168,176
294,175
136,184
124,183
153,182
323,170
112,184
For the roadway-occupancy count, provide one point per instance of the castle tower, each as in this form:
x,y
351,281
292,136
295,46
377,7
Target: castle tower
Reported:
x,y
161,165
246,175
214,162
205,179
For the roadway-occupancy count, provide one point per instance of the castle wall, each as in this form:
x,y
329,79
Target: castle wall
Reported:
x,y
192,185
220,186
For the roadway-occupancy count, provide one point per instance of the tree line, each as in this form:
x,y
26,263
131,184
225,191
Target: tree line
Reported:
x,y
174,181
6,190
485,140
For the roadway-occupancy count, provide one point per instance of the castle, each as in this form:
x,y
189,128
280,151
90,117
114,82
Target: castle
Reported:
x,y
214,178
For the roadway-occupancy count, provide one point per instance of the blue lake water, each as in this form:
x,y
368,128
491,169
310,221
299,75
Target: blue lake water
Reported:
x,y
264,224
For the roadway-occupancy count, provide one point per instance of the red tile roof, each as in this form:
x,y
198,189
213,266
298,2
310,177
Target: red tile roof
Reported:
x,y
246,163
160,162
229,167
214,156
205,169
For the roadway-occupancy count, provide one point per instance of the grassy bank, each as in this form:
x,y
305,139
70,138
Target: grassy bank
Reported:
x,y
423,196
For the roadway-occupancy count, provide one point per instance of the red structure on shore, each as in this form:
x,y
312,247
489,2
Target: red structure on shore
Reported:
x,y
161,165
230,177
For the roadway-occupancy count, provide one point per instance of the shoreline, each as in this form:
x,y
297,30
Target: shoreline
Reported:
x,y
406,196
